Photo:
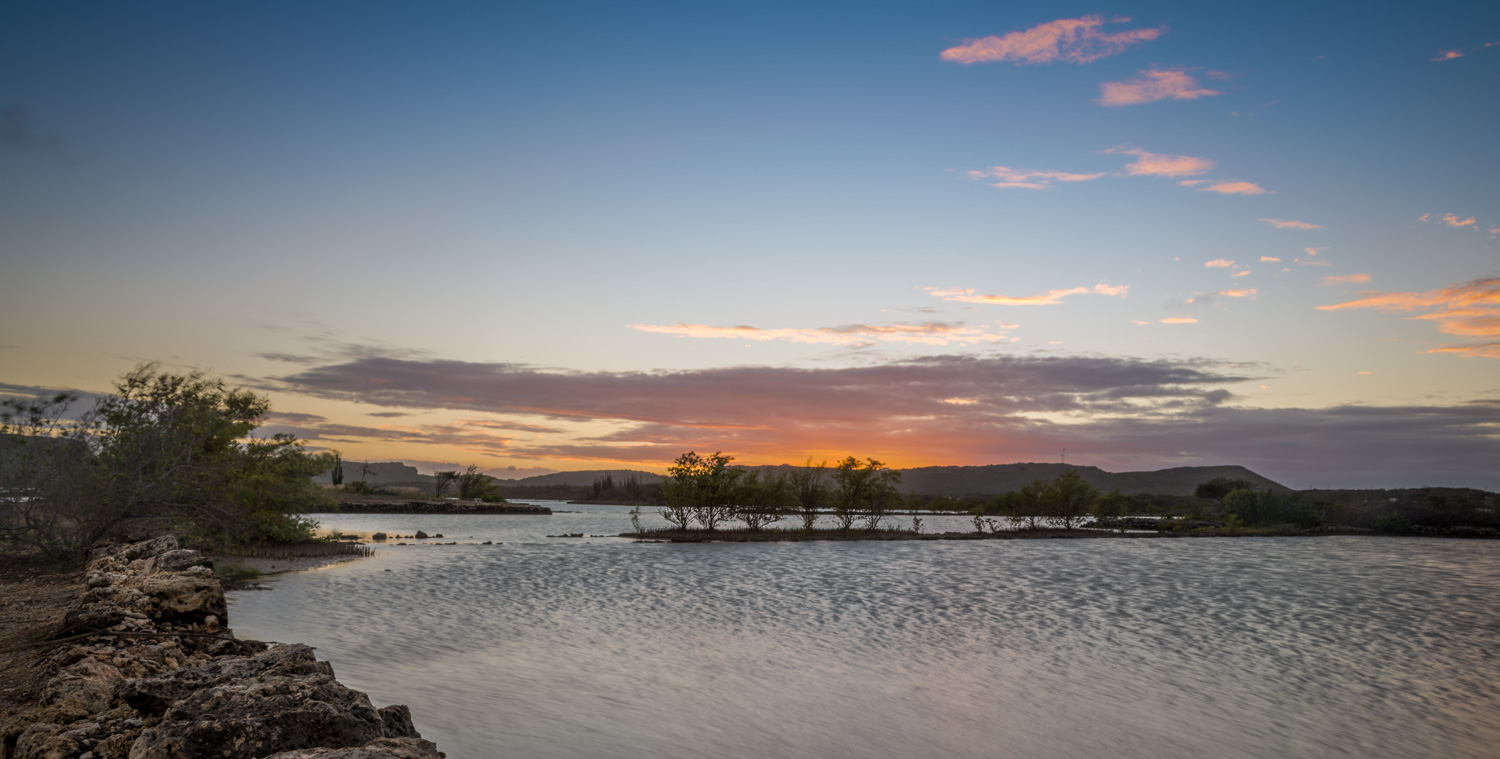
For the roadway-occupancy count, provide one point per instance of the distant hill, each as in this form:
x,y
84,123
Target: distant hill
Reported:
x,y
585,478
954,481
1003,478
380,473
994,479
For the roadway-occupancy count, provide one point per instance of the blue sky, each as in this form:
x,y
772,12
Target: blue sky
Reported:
x,y
638,201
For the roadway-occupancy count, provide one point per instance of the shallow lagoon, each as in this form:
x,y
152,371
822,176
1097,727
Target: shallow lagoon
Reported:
x,y
589,647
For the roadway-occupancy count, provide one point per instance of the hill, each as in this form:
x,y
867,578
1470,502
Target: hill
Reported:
x,y
993,479
584,478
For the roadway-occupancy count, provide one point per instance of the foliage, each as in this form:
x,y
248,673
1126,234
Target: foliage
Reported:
x,y
629,490
864,489
701,488
809,491
1219,487
1068,498
162,445
443,482
1267,508
1392,523
474,485
761,501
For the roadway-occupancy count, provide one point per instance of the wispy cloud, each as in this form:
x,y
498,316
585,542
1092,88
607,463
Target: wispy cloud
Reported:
x,y
1346,279
1235,188
1218,263
1452,220
1179,320
1471,309
1162,165
1028,179
1152,85
1448,55
1246,293
926,333
1287,224
1270,260
1048,298
1074,40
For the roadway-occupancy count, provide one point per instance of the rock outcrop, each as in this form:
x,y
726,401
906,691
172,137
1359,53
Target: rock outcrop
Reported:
x,y
148,669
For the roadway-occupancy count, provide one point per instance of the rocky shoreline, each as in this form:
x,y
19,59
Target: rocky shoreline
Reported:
x,y
147,668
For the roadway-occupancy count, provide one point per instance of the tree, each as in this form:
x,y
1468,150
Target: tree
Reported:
x,y
1069,497
1026,506
809,491
701,488
443,482
1113,505
474,485
176,446
863,490
761,501
1217,488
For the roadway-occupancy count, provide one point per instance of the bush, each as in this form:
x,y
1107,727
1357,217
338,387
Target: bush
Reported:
x,y
173,446
1392,524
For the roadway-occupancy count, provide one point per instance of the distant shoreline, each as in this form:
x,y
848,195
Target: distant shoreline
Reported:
x,y
373,504
772,536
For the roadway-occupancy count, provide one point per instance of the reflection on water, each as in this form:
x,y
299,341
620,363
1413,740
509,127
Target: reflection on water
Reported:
x,y
587,647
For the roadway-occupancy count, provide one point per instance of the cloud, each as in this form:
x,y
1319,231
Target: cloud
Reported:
x,y
1162,165
1123,414
1471,309
1150,86
1346,279
1179,320
1218,263
928,333
1247,293
1270,260
1452,220
1027,179
1074,40
1235,188
1448,55
1049,298
1311,261
1284,224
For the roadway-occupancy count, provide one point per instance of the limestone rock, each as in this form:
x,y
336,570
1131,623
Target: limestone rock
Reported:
x,y
90,682
380,748
241,708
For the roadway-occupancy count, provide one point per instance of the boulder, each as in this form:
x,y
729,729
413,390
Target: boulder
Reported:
x,y
380,748
90,682
282,699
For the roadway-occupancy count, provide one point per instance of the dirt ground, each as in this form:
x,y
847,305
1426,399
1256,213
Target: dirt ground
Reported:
x,y
33,599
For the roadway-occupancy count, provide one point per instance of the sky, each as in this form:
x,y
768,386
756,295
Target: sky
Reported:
x,y
572,236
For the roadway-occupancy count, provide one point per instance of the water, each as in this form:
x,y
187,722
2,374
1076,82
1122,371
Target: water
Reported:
x,y
594,647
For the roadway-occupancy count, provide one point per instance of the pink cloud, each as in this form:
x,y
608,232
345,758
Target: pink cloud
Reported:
x,y
926,333
1285,224
1448,55
1243,273
1454,221
1161,165
1179,320
1249,293
1234,188
1150,86
1218,263
1270,260
1049,298
1028,179
1075,40
1471,309
1345,279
